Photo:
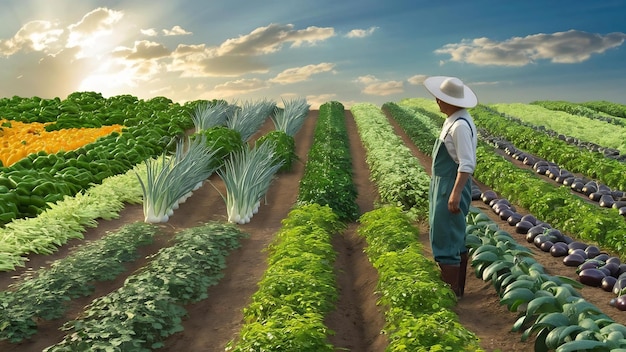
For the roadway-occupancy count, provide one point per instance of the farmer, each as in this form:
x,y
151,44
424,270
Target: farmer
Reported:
x,y
454,161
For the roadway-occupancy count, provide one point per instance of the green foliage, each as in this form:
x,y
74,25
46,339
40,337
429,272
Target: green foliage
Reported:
x,y
554,205
223,140
149,307
580,110
297,290
399,176
572,158
418,304
46,293
327,178
550,307
284,147
595,131
613,109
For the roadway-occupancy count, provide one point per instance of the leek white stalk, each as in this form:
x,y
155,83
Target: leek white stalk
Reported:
x,y
247,174
172,178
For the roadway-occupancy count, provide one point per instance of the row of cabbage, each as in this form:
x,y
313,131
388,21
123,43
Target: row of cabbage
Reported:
x,y
557,206
550,308
417,303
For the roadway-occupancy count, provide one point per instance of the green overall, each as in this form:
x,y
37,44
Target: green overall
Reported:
x,y
447,230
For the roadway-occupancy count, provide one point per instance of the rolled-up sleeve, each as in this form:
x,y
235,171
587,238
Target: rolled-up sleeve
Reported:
x,y
465,147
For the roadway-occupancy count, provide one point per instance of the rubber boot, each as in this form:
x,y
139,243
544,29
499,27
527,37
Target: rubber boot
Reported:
x,y
462,274
450,275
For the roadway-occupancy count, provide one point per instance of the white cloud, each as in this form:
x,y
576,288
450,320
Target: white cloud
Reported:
x,y
374,86
143,50
97,23
361,33
416,79
33,36
269,39
176,30
316,100
150,32
561,47
237,56
237,87
298,74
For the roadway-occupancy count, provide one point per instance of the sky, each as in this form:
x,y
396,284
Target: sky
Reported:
x,y
325,50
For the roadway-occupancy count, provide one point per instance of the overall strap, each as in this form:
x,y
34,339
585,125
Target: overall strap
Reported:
x,y
464,119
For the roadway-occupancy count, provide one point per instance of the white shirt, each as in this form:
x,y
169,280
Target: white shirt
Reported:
x,y
460,140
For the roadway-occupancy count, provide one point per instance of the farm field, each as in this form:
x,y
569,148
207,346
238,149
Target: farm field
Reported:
x,y
211,323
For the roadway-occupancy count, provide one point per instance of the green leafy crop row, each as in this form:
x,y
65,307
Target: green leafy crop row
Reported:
x,y
45,293
149,306
298,288
418,305
327,178
399,176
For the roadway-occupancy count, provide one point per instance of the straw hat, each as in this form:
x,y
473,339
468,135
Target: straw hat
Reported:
x,y
451,90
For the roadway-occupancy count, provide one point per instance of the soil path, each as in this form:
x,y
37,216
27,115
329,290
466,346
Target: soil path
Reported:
x,y
357,320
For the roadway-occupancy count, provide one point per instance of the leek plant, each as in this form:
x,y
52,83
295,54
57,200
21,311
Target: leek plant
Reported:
x,y
211,114
171,179
247,175
248,118
291,118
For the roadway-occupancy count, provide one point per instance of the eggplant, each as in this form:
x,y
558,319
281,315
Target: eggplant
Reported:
x,y
591,277
590,187
567,239
578,251
612,267
606,201
577,245
592,251
537,229
505,213
602,256
615,260
595,196
546,246
620,286
530,236
488,196
620,302
540,163
622,211
523,226
514,219
558,250
577,185
607,283
530,218
573,259
588,264
622,269
555,234
539,239
619,204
